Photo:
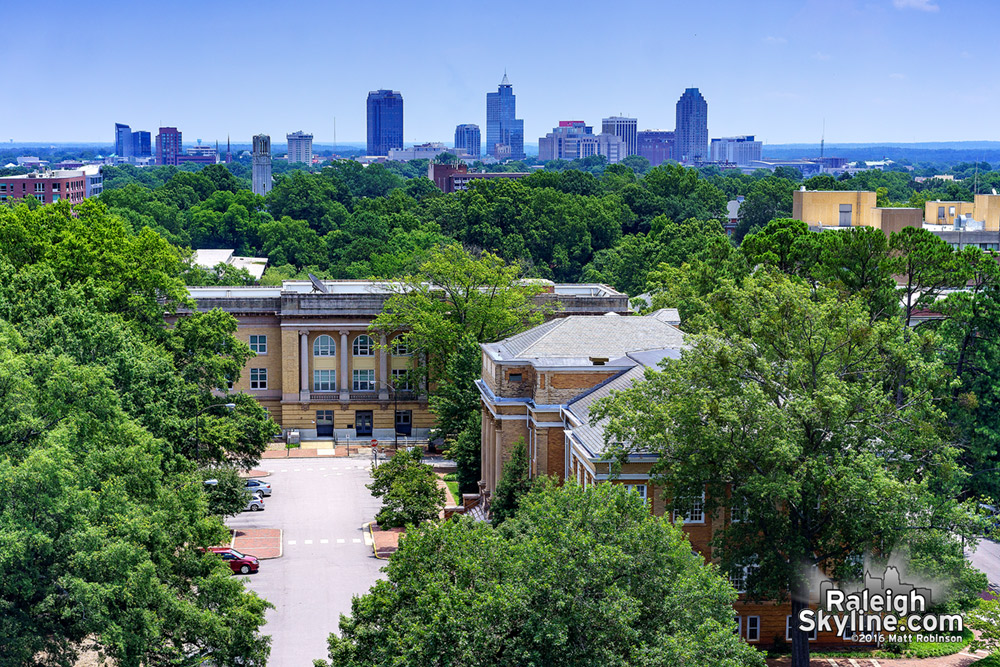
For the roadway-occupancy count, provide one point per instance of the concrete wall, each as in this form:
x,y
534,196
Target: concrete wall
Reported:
x,y
945,212
822,207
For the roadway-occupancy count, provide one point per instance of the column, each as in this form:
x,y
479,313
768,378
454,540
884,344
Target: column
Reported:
x,y
383,373
344,380
303,365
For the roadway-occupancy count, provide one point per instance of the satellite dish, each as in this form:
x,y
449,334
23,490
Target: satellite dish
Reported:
x,y
318,284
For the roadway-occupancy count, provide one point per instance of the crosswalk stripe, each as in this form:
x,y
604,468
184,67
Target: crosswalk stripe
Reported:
x,y
340,541
324,541
307,542
356,540
291,542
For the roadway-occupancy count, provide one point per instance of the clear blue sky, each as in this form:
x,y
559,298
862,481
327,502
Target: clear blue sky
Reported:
x,y
876,70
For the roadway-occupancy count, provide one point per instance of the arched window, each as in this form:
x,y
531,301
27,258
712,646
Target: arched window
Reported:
x,y
399,347
324,346
363,346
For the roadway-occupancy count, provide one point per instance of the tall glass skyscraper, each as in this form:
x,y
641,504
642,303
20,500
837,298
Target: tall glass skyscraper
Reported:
x,y
385,121
691,133
502,128
123,140
467,136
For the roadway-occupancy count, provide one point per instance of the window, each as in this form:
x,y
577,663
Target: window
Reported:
x,y
788,630
39,187
514,377
637,488
258,344
363,346
401,379
55,187
258,378
739,511
951,211
324,380
324,346
741,576
400,348
364,379
940,212
753,628
738,630
693,509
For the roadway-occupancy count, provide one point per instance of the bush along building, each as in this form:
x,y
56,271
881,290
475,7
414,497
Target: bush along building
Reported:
x,y
540,385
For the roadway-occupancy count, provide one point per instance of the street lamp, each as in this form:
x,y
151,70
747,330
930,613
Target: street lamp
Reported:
x,y
395,413
197,441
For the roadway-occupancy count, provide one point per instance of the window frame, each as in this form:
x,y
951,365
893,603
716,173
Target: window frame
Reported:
x,y
397,345
258,377
355,382
318,348
332,381
756,628
403,373
357,349
259,346
686,513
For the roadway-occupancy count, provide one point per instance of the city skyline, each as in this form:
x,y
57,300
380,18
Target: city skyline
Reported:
x,y
791,66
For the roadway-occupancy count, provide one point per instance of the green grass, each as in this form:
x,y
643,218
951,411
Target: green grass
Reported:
x,y
453,487
989,661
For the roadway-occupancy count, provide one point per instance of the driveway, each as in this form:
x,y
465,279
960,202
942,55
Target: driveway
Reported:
x,y
320,504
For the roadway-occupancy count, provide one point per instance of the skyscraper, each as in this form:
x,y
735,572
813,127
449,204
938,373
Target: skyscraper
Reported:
x,y
624,128
168,146
261,164
141,146
692,127
467,136
657,146
502,128
385,121
574,139
123,140
300,147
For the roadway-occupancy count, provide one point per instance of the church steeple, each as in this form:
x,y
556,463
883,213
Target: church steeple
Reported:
x,y
229,151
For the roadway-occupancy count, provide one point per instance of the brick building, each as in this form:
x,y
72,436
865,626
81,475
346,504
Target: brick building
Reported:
x,y
453,178
320,371
168,146
540,385
47,187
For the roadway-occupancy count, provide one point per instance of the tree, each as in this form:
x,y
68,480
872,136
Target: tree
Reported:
x,y
465,449
513,484
787,411
769,198
228,495
928,266
408,488
576,577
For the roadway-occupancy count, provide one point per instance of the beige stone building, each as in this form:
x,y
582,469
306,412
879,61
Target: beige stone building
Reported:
x,y
833,208
320,371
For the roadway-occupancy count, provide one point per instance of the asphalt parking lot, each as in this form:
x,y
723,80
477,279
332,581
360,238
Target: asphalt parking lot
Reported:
x,y
321,505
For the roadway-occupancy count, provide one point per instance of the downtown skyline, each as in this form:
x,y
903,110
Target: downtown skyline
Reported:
x,y
777,71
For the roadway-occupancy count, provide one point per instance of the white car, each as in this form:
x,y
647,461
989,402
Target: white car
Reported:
x,y
256,504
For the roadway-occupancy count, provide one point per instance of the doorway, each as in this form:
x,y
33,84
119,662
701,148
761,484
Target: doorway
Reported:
x,y
324,423
404,422
363,422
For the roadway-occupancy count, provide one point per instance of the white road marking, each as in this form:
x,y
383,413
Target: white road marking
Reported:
x,y
307,542
339,474
296,469
368,538
340,541
291,542
324,541
322,468
356,541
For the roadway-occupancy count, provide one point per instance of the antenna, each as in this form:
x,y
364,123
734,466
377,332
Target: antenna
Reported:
x,y
334,133
822,139
318,284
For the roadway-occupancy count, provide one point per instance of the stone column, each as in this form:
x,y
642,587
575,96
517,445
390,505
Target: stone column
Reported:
x,y
303,365
345,379
383,372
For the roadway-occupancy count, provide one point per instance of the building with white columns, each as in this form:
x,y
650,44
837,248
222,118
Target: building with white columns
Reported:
x,y
320,371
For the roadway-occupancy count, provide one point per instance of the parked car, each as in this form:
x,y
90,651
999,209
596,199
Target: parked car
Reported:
x,y
238,563
256,503
257,485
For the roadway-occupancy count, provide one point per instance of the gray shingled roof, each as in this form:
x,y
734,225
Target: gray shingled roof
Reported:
x,y
591,336
590,433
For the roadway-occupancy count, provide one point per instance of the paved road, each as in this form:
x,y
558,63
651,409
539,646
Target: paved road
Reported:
x,y
986,557
320,504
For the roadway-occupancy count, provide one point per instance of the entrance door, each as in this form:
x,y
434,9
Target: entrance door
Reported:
x,y
324,423
363,422
404,422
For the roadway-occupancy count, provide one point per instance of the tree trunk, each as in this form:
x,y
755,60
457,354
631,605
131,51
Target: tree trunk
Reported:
x,y
800,639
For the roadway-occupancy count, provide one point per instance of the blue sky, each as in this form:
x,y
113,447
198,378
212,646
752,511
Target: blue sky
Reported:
x,y
876,70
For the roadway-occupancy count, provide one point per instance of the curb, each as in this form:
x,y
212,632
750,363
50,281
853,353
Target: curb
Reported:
x,y
372,536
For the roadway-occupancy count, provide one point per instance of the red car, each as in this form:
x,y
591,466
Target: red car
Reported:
x,y
239,563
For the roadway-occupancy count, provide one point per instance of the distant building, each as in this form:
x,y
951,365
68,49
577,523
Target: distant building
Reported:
x,y
502,128
427,151
468,138
141,144
806,167
123,140
31,161
385,121
210,258
732,215
454,178
833,208
692,127
574,139
741,150
657,146
199,154
626,129
48,187
168,146
300,147
261,164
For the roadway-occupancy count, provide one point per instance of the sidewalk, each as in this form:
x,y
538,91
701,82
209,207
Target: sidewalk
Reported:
x,y
386,542
263,543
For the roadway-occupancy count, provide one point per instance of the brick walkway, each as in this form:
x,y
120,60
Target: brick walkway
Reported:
x,y
314,452
386,541
263,543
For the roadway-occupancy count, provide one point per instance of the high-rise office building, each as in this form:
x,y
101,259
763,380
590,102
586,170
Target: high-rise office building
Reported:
x,y
691,139
740,150
467,136
123,140
261,164
574,139
657,146
168,146
385,121
624,128
141,146
300,147
504,132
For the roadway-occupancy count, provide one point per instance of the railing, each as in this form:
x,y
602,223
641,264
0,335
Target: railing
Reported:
x,y
324,395
363,395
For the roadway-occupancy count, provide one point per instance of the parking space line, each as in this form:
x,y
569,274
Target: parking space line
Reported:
x,y
324,541
291,542
307,541
340,541
356,540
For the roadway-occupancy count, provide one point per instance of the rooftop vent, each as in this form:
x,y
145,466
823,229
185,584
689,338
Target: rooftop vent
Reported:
x,y
599,361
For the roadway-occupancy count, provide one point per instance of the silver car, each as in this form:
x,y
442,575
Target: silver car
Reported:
x,y
256,504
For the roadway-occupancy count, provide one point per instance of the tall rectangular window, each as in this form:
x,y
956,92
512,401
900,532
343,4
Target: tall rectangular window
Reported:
x,y
637,488
324,380
364,379
258,378
753,628
691,508
401,379
258,344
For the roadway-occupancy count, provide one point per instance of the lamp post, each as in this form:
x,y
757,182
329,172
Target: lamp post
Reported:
x,y
197,441
395,413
